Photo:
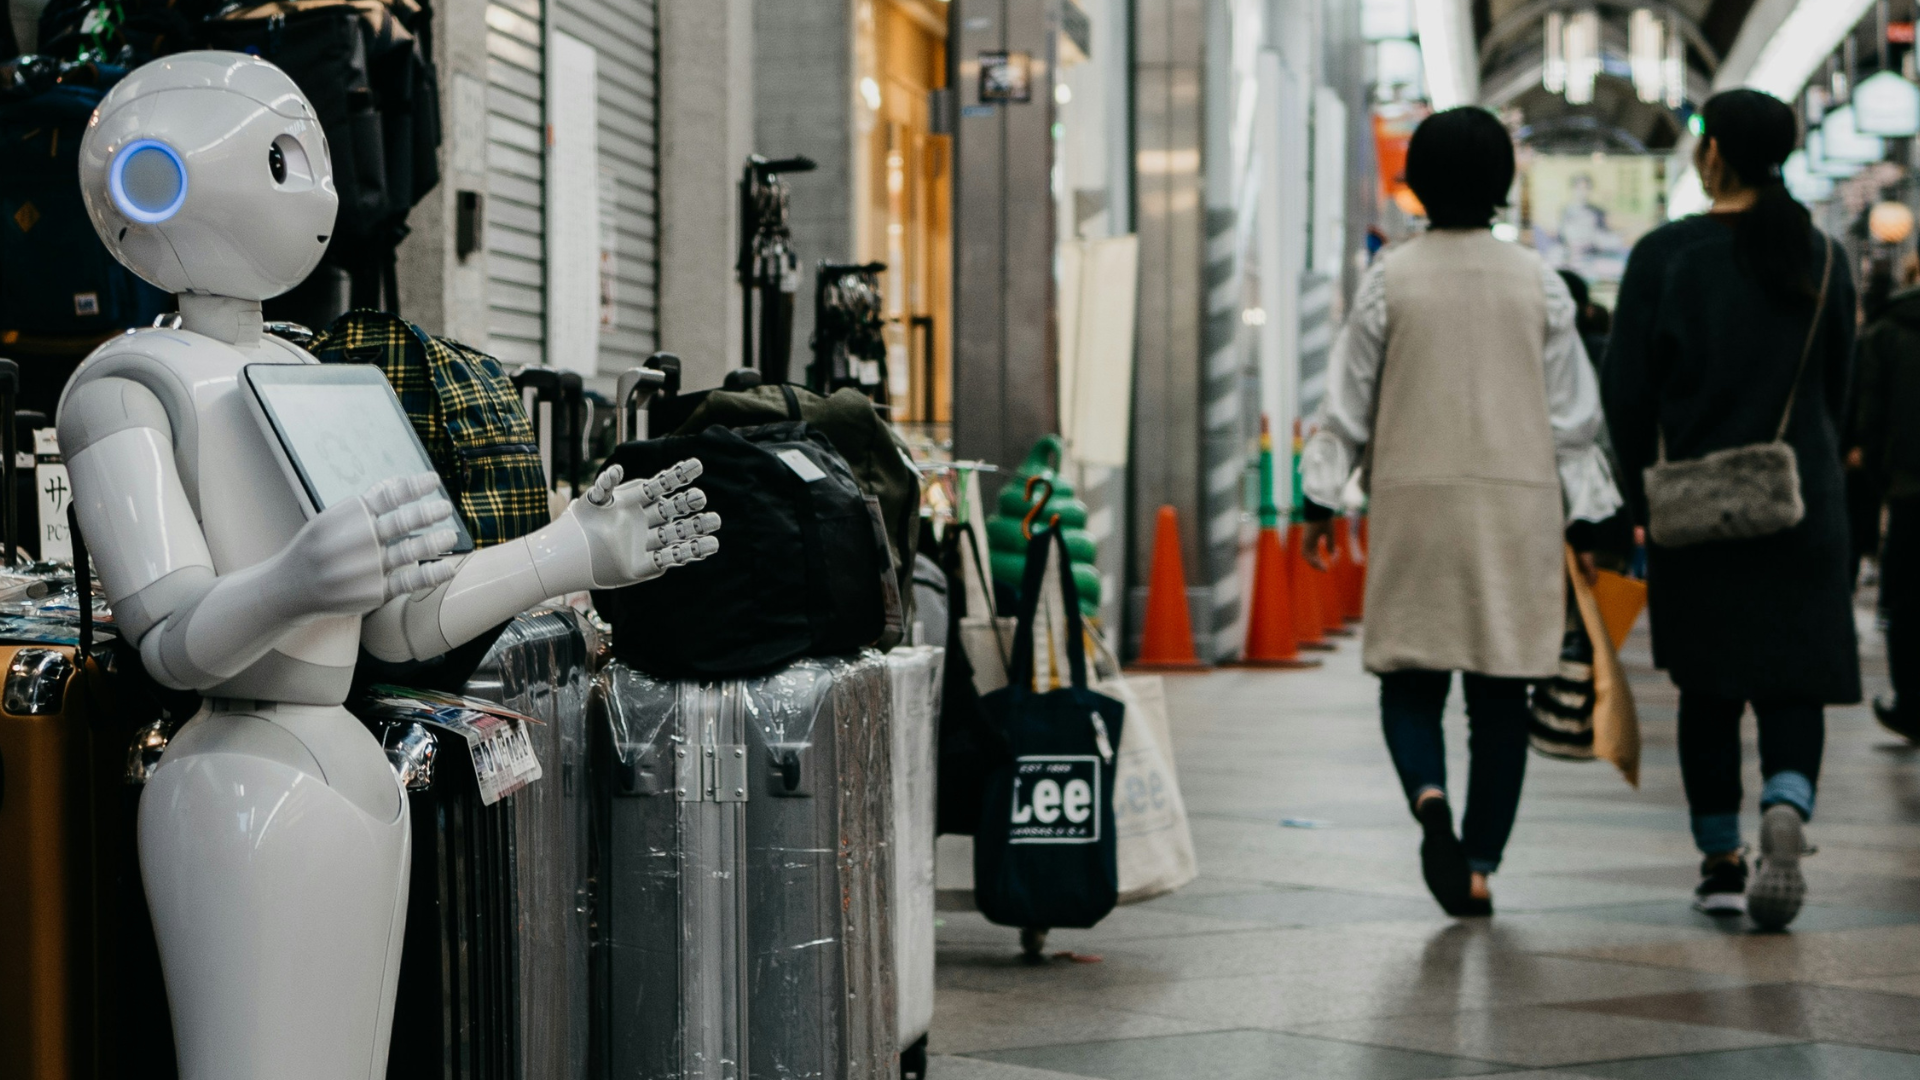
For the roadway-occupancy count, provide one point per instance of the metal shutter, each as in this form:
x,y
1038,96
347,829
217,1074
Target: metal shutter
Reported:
x,y
626,35
516,144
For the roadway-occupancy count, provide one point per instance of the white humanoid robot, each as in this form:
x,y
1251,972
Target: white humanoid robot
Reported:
x,y
273,834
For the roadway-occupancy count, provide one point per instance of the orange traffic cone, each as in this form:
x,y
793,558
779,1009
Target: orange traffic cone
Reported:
x,y
1271,638
1167,644
1307,622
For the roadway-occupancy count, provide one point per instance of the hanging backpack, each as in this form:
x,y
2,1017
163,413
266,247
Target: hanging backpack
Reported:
x,y
465,410
803,567
1044,853
366,66
61,292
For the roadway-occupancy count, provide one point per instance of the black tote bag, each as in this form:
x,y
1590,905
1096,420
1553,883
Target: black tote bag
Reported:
x,y
1043,854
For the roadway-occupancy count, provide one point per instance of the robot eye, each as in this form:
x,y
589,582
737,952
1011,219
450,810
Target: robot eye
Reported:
x,y
148,181
277,164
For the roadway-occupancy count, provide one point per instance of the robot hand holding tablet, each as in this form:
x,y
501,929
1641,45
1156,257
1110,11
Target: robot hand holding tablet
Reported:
x,y
256,518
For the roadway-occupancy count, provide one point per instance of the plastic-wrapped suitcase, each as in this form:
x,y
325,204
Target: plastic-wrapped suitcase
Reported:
x,y
741,908
917,677
541,666
493,969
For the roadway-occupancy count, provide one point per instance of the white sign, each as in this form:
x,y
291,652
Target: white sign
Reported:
x,y
52,492
1886,105
1841,139
573,206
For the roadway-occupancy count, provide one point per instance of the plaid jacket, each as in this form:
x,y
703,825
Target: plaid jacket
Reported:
x,y
465,411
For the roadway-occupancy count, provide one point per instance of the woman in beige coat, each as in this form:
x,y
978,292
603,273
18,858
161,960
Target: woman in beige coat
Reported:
x,y
1461,380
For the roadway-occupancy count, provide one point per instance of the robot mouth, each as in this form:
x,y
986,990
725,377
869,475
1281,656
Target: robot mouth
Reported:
x,y
322,239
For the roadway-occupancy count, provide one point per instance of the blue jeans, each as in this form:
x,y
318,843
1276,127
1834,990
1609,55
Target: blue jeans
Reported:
x,y
1792,739
1497,713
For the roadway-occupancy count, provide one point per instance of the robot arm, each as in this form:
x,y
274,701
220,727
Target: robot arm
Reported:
x,y
195,628
617,534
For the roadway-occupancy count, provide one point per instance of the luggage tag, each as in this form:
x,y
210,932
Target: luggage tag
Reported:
x,y
802,465
496,737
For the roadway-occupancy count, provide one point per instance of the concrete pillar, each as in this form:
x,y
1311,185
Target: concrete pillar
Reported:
x,y
439,289
1006,379
803,102
1168,62
706,132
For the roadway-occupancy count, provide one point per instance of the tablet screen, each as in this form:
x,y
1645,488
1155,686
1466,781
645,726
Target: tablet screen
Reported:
x,y
342,428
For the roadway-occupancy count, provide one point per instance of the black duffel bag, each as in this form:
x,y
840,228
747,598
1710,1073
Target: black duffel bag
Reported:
x,y
803,567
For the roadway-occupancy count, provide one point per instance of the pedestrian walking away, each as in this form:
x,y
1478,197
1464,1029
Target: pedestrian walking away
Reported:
x,y
1460,388
1734,327
1883,458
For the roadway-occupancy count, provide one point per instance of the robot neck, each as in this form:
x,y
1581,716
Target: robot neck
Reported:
x,y
223,318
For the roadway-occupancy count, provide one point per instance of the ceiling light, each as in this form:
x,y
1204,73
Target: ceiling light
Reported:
x,y
1803,41
1448,52
1553,69
1583,56
1844,142
1888,105
1647,55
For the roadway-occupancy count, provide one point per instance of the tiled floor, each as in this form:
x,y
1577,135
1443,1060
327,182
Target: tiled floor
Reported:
x,y
1316,953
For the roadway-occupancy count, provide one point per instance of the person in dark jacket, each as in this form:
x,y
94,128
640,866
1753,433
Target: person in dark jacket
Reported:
x,y
1884,442
1713,320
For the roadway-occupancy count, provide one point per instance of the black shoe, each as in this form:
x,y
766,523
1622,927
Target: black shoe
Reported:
x,y
1723,887
1895,720
1444,862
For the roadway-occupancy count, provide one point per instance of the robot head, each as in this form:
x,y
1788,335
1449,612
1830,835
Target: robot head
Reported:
x,y
207,172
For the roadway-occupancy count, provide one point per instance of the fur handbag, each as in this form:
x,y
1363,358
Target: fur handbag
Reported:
x,y
1738,493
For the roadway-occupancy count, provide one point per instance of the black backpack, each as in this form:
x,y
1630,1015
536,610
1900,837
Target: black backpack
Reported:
x,y
803,569
61,292
366,66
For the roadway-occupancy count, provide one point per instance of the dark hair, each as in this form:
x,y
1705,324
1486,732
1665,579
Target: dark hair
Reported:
x,y
1460,166
1754,133
1577,285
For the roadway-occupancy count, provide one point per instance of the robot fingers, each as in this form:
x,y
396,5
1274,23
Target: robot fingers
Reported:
x,y
681,554
679,505
683,530
411,549
415,577
668,480
601,494
390,495
412,517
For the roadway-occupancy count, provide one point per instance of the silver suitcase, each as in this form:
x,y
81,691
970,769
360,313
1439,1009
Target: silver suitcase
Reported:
x,y
542,666
741,912
916,674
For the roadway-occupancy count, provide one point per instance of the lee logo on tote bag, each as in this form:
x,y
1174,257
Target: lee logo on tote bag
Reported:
x,y
1054,800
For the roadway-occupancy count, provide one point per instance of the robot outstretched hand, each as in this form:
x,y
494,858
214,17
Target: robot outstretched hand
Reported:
x,y
640,529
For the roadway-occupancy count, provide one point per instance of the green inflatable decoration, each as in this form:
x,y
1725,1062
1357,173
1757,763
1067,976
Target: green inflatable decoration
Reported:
x,y
1006,537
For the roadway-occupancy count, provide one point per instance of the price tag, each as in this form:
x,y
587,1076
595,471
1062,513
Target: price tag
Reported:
x,y
503,758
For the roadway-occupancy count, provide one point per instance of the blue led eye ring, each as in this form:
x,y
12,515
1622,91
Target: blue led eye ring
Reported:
x,y
148,181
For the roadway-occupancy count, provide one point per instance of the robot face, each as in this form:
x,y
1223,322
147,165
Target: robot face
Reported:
x,y
207,172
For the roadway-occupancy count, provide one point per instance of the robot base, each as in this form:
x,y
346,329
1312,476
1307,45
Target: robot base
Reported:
x,y
273,844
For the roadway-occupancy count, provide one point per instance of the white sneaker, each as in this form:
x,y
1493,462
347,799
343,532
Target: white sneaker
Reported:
x,y
1778,889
